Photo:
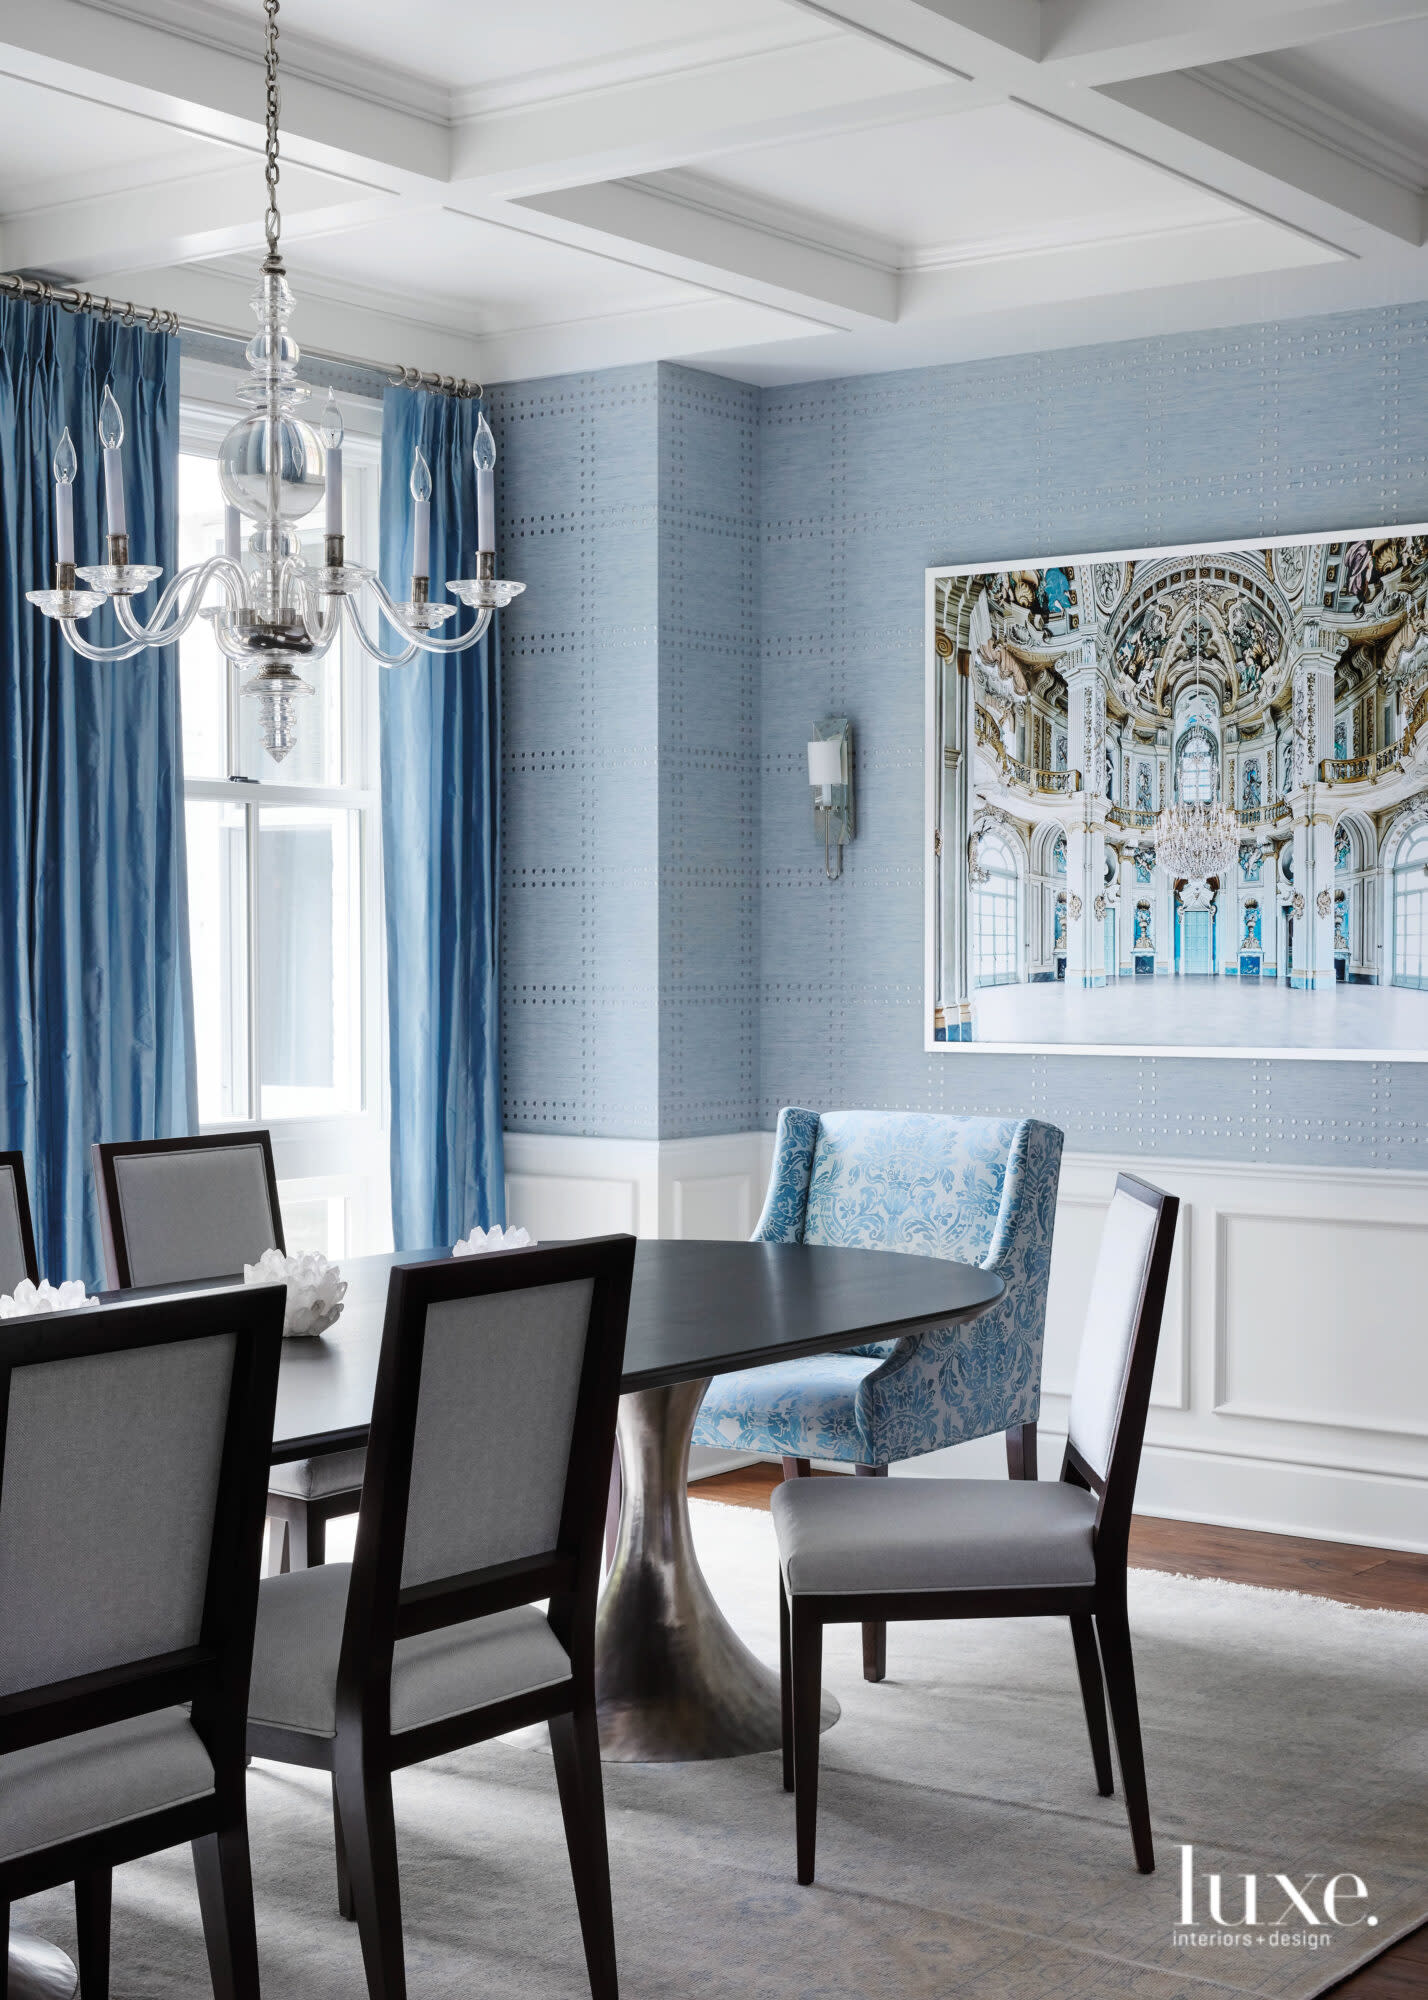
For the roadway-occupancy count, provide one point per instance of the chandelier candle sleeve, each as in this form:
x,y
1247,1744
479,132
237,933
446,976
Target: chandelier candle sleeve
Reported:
x,y
483,452
332,432
111,436
232,533
421,521
66,466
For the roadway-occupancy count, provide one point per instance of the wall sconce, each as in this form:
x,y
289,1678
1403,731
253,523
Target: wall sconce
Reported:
x,y
830,772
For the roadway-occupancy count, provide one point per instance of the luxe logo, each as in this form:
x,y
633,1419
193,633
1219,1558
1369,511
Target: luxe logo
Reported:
x,y
1272,1909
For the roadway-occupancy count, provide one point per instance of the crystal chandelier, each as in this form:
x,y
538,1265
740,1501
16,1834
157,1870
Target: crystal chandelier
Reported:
x,y
1194,841
275,611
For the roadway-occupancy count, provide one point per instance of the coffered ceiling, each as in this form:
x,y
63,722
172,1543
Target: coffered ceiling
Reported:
x,y
774,188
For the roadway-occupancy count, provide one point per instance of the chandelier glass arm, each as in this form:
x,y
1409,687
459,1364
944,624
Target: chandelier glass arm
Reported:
x,y
196,581
372,645
426,641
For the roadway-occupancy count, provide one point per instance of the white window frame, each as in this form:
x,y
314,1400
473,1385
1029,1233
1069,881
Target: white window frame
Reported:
x,y
345,1156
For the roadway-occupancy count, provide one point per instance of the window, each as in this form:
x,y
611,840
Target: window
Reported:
x,y
285,894
1410,910
1197,768
995,931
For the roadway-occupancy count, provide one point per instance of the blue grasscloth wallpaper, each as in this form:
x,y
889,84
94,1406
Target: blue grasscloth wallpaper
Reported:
x,y
711,568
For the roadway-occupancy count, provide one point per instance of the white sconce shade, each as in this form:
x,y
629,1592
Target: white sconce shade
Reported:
x,y
825,765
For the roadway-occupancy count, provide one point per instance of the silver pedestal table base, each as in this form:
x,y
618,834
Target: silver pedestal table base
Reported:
x,y
39,1971
674,1682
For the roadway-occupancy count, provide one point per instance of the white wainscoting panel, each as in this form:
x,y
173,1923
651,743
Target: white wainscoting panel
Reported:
x,y
1291,1392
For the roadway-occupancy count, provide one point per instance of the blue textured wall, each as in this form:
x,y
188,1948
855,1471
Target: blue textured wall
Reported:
x,y
630,830
675,962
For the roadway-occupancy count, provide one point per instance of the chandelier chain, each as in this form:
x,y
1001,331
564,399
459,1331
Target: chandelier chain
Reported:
x,y
272,221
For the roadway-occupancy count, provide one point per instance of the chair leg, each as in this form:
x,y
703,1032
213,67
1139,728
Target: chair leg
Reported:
x,y
612,1510
345,1905
785,1687
93,1900
797,1468
5,1952
1021,1451
276,1560
1113,1630
1093,1697
225,1901
369,1834
315,1522
806,1660
575,1743
875,1631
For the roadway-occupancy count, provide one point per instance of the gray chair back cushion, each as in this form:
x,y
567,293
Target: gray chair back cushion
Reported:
x,y
12,1242
193,1214
495,1415
110,1482
1111,1316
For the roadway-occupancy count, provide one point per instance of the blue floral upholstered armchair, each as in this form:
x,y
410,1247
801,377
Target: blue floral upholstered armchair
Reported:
x,y
976,1190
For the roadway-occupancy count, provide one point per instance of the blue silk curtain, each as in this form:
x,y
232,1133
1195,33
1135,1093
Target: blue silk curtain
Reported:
x,y
441,762
96,1006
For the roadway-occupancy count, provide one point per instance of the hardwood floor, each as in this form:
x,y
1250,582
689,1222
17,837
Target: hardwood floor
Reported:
x,y
1377,1579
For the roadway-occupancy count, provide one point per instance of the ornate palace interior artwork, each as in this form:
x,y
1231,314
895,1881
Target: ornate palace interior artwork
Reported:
x,y
1178,799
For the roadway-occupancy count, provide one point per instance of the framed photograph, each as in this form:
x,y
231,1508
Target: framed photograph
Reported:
x,y
1177,800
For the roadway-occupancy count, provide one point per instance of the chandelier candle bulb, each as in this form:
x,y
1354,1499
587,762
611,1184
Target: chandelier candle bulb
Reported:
x,y
421,524
66,465
111,436
483,452
332,431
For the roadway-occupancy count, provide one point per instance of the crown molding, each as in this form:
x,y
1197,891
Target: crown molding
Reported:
x,y
1257,88
707,195
379,83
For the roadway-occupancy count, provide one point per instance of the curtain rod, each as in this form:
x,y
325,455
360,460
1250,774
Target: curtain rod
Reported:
x,y
39,291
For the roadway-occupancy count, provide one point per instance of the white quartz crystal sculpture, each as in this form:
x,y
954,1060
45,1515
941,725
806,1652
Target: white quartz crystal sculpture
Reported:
x,y
316,1289
493,1239
43,1298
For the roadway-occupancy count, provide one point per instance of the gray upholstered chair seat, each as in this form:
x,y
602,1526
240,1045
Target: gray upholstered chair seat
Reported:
x,y
100,1778
932,1534
316,1478
436,1674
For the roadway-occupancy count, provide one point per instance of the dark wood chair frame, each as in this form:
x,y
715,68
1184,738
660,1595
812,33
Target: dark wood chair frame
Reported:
x,y
212,1676
16,1164
364,1753
1097,1610
1021,1464
301,1523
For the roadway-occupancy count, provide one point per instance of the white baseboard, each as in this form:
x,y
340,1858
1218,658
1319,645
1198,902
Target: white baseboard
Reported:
x,y
1291,1392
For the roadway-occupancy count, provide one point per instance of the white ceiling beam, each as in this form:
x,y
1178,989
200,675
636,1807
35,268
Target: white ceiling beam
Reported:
x,y
1206,108
189,86
668,120
1104,41
182,221
723,252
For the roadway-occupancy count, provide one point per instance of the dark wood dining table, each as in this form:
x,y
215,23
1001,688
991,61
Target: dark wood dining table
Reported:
x,y
675,1682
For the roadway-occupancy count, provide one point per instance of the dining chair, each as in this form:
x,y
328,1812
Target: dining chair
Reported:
x,y
17,1235
975,1190
431,1638
174,1211
135,1440
977,1548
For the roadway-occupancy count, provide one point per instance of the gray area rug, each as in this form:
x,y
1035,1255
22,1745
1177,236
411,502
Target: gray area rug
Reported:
x,y
962,1847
